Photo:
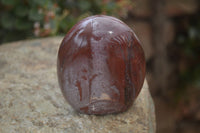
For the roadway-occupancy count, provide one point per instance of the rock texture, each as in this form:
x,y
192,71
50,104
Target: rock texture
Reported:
x,y
31,101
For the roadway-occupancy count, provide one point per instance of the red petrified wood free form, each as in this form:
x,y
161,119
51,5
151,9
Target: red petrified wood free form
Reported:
x,y
101,66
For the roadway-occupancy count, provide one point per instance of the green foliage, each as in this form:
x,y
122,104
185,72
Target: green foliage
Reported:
x,y
9,2
7,21
21,19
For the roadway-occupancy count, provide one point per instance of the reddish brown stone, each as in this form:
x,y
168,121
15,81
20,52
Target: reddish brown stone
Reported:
x,y
101,66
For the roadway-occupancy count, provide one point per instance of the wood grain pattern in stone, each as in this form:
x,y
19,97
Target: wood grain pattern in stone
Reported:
x,y
101,66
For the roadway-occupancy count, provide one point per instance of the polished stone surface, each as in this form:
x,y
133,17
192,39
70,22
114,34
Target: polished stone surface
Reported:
x,y
101,66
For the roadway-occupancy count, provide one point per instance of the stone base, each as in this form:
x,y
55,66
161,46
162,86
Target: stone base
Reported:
x,y
31,101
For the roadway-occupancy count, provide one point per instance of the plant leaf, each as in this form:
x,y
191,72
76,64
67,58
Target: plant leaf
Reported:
x,y
7,21
9,2
21,11
22,24
35,15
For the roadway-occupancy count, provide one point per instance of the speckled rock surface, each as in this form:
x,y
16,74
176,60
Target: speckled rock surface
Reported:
x,y
31,101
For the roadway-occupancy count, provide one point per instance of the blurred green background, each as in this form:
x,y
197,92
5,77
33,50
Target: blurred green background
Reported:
x,y
40,18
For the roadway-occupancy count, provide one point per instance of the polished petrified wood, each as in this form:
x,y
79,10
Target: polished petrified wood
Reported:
x,y
101,66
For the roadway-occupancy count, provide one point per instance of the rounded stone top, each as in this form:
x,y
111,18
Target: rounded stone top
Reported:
x,y
101,66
